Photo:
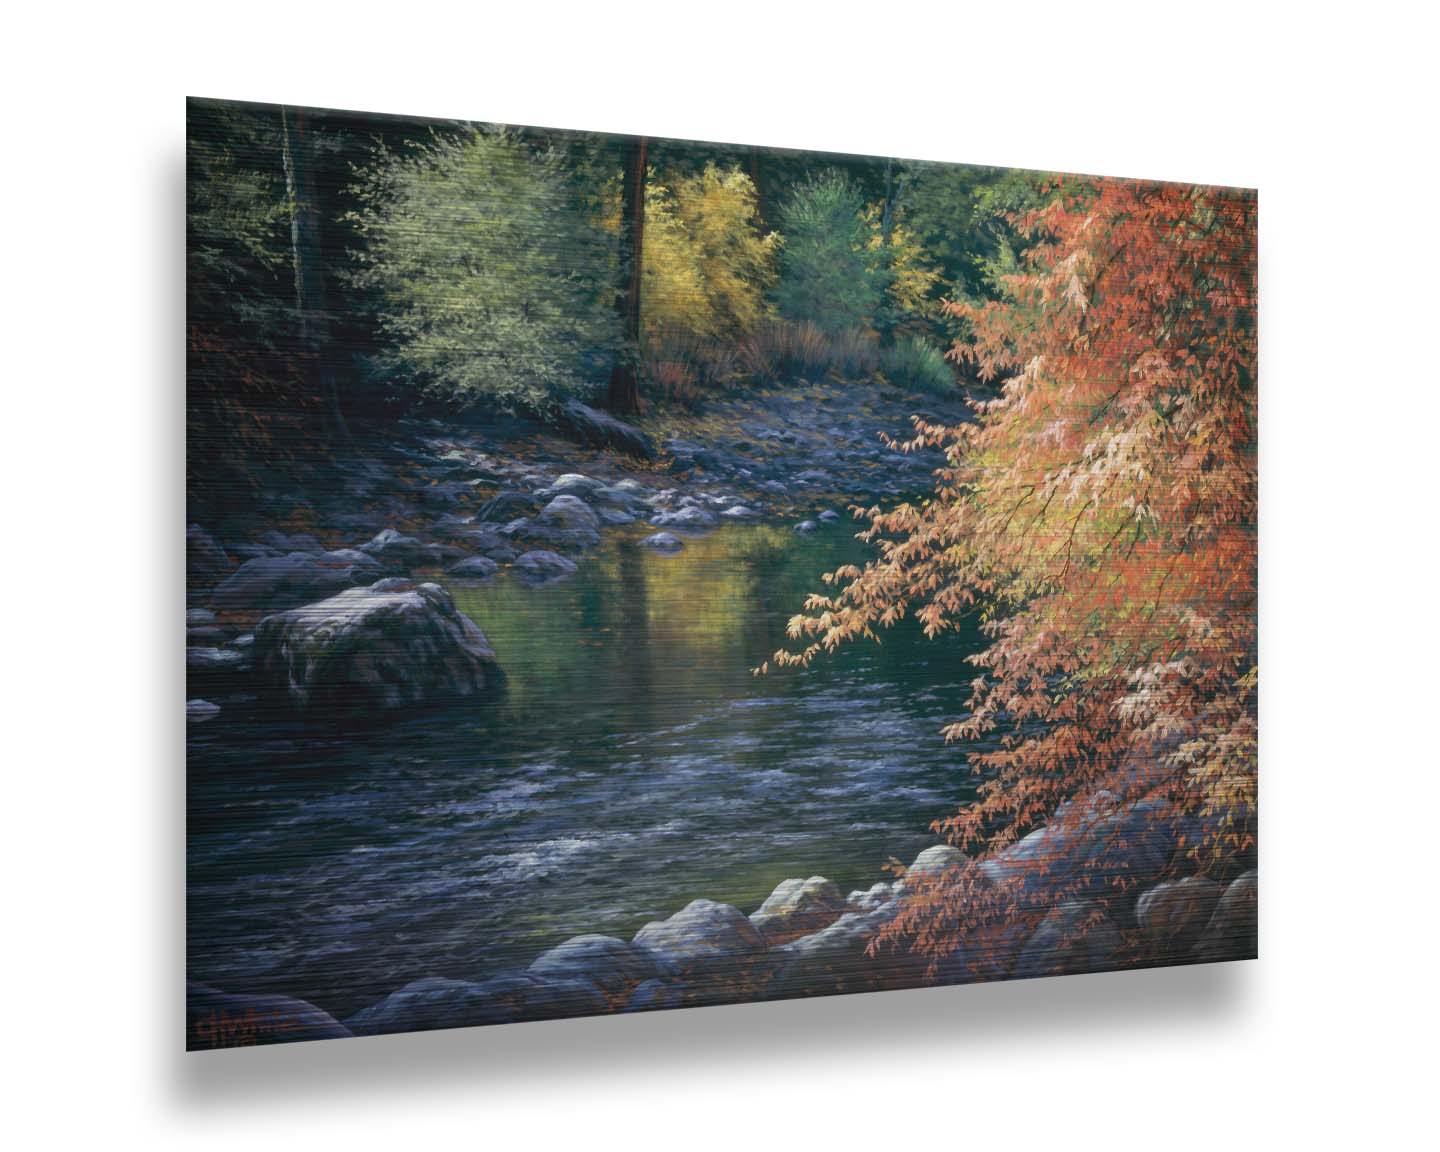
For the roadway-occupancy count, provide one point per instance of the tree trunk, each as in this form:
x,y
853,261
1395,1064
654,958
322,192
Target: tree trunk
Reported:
x,y
624,394
311,305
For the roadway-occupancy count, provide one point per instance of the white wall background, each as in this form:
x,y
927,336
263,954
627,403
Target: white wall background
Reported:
x,y
1327,1040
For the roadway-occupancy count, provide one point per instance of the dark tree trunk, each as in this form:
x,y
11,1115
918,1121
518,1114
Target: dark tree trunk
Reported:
x,y
311,304
624,394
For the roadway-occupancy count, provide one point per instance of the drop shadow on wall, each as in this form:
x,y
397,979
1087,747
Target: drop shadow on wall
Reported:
x,y
979,1021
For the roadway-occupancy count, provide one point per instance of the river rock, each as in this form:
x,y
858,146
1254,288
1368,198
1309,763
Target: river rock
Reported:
x,y
293,579
834,959
805,527
601,430
663,542
399,552
829,516
614,966
1077,936
688,519
934,861
1172,915
474,568
385,647
871,898
655,996
202,629
541,566
740,512
1233,930
215,1019
198,711
572,484
566,522
506,506
704,938
797,908
205,558
435,1002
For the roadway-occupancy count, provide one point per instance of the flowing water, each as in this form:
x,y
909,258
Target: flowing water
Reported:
x,y
633,765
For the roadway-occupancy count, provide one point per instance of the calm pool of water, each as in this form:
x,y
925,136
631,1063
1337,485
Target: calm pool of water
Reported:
x,y
633,765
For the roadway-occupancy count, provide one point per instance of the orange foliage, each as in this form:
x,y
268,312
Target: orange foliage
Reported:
x,y
1100,516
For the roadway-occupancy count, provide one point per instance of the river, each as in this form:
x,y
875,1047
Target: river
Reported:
x,y
633,764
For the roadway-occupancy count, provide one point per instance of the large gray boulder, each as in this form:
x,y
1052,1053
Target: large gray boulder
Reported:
x,y
398,552
571,484
270,582
797,908
205,558
1233,932
215,1019
541,566
435,1002
474,568
835,958
394,645
614,966
1077,936
689,519
601,430
705,938
1172,915
566,522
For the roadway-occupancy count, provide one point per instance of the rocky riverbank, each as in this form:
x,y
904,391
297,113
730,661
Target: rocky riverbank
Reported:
x,y
806,939
515,501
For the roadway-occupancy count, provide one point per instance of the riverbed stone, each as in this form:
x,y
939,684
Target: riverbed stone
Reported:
x,y
688,519
663,542
400,552
205,558
869,899
834,959
829,516
1172,915
934,861
396,646
797,908
541,566
198,711
287,581
1076,936
614,966
740,512
805,527
704,938
655,996
474,568
438,1002
1233,930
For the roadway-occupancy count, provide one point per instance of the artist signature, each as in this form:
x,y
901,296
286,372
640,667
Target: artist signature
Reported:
x,y
222,1029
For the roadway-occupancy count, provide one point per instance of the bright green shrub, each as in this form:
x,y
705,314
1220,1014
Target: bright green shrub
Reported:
x,y
829,274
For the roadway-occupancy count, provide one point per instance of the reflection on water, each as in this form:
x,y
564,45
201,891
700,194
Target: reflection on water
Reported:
x,y
633,765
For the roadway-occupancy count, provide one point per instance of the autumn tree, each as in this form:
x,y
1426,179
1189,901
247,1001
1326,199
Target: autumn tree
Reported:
x,y
1099,517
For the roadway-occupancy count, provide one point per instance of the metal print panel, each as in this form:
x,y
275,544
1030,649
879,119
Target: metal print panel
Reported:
x,y
629,574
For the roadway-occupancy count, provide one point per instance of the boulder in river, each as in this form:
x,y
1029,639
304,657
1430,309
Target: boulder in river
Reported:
x,y
663,542
829,516
270,582
435,1002
614,966
394,645
1233,930
655,995
474,568
798,907
1076,936
705,938
834,959
805,527
215,1019
740,512
1172,915
399,552
205,559
198,711
541,566
687,519
565,522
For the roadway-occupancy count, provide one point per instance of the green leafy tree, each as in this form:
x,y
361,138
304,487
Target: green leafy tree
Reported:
x,y
490,280
829,272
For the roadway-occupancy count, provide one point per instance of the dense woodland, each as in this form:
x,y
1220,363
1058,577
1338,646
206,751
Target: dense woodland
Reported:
x,y
344,269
